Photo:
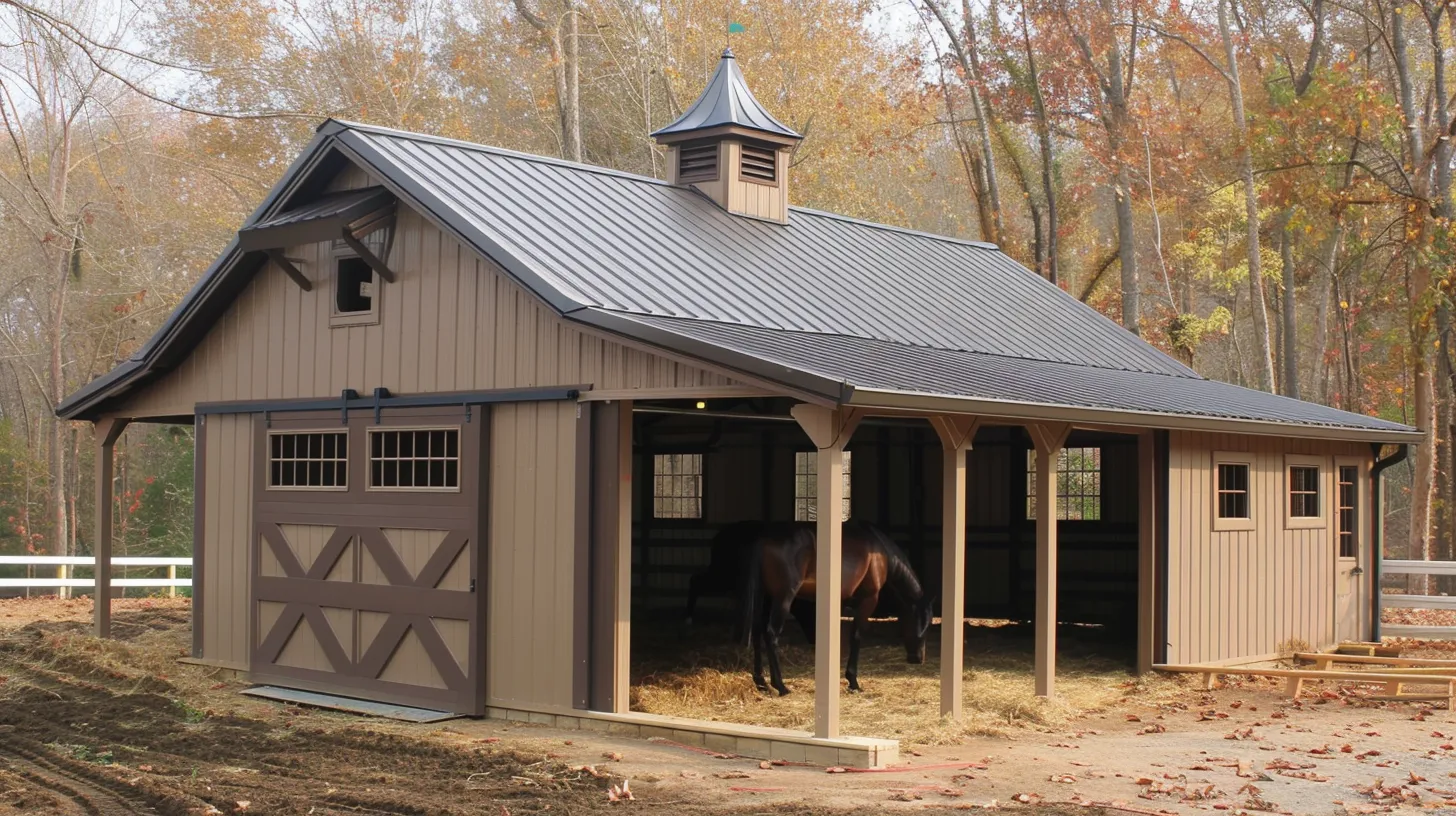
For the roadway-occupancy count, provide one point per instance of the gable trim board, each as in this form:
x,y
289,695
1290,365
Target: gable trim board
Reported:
x,y
810,358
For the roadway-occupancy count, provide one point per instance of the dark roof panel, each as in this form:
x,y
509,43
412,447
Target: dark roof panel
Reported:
x,y
727,101
881,366
637,245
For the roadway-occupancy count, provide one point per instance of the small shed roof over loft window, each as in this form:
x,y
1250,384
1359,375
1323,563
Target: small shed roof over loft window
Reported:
x,y
348,216
726,103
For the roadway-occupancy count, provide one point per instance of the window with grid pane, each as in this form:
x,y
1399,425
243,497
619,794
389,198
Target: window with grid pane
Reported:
x,y
308,460
414,459
677,485
1079,484
1304,499
806,486
1233,490
1348,494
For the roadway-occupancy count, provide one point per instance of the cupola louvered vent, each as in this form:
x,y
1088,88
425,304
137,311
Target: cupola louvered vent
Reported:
x,y
697,162
759,163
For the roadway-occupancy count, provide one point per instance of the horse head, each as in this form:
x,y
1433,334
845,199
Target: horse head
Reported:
x,y
914,624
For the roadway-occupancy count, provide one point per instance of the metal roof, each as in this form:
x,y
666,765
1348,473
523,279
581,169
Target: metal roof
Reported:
x,y
875,365
826,304
727,102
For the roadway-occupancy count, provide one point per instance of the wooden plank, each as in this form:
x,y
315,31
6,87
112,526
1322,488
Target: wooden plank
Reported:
x,y
1418,601
1373,659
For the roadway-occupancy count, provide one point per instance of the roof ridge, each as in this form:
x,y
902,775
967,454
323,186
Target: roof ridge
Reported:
x,y
502,151
901,344
949,239
637,177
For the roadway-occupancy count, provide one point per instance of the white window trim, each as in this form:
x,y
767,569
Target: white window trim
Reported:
x,y
1324,483
369,458
1361,510
1222,525
338,319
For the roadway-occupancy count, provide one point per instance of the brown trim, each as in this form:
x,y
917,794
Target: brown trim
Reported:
x,y
480,562
605,508
727,130
411,602
293,272
199,528
581,565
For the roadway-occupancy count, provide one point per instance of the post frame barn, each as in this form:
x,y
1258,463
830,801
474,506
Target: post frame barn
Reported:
x,y
446,395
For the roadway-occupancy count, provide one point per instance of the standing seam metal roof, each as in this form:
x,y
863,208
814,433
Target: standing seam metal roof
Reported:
x,y
640,246
826,304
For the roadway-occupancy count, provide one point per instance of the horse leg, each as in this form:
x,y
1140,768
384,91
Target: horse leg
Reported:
x,y
862,612
693,592
778,613
756,635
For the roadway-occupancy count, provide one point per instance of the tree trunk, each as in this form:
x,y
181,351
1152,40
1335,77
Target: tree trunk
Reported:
x,y
1290,347
1264,366
1418,282
963,44
1044,138
571,109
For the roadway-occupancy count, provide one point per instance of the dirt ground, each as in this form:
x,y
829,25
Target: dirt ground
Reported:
x,y
120,727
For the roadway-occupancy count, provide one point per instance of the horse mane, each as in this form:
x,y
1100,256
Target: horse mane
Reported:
x,y
901,576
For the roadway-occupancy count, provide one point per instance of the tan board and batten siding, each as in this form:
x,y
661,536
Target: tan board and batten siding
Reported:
x,y
1245,594
453,322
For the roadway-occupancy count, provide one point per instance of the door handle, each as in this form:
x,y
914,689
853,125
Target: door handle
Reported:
x,y
1357,571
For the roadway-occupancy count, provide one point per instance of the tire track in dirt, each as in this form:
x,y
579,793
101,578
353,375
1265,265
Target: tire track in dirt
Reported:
x,y
93,793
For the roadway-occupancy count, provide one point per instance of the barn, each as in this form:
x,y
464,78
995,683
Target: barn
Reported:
x,y
462,413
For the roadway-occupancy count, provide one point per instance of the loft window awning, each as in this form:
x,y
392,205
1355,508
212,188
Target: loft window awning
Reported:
x,y
349,216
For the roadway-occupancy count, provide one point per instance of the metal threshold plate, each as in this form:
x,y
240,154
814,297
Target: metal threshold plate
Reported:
x,y
350,704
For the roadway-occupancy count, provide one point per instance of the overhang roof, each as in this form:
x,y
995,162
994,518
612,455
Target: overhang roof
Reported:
x,y
328,214
726,102
824,305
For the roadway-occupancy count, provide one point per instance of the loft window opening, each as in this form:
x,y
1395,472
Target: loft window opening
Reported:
x,y
353,286
1079,484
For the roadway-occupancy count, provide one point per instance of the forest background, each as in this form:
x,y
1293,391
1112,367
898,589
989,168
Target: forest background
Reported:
x,y
1261,188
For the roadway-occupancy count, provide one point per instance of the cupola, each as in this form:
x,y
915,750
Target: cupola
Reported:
x,y
732,149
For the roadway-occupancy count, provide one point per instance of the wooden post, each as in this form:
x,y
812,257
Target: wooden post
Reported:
x,y
956,434
1147,606
622,643
829,429
171,576
107,432
1048,440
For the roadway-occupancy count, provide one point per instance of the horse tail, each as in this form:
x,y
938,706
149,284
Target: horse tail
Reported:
x,y
751,586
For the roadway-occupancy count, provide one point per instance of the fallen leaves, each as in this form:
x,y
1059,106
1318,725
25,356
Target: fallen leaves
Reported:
x,y
621,793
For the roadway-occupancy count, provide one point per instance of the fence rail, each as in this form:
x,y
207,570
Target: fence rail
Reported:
x,y
171,582
1418,601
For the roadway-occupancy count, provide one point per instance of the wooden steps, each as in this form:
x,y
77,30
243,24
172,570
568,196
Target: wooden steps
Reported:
x,y
1393,681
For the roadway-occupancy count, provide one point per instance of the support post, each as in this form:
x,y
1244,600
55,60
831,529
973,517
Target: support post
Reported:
x,y
830,430
1147,607
107,432
622,647
956,434
1048,439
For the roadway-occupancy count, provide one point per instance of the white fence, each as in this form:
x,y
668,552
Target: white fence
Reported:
x,y
171,582
1418,601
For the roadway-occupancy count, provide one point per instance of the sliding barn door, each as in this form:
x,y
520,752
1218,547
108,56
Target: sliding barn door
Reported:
x,y
367,562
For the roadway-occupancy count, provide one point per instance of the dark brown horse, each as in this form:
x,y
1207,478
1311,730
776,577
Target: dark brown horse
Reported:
x,y
781,568
727,570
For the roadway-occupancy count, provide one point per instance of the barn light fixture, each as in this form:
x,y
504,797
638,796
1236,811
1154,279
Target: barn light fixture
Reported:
x,y
702,405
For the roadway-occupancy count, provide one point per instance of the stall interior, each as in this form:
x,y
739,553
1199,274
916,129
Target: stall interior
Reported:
x,y
702,465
